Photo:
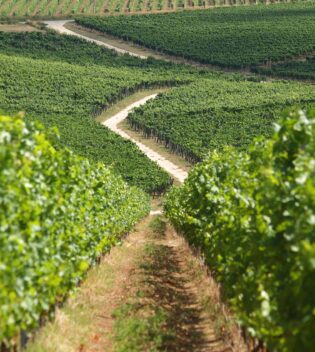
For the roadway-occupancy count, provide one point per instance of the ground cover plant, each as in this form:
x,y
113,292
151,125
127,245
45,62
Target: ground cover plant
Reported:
x,y
234,37
252,216
59,213
242,206
211,113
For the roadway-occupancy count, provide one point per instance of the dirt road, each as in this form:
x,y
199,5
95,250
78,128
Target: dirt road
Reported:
x,y
59,26
168,166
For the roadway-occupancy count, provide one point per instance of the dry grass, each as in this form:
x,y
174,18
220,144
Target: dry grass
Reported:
x,y
85,322
173,304
149,294
18,27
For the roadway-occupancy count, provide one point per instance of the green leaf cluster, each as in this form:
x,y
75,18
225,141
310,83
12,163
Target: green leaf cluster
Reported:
x,y
58,214
253,217
51,46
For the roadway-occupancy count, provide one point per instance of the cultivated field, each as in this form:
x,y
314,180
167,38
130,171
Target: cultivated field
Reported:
x,y
212,113
228,37
66,8
212,177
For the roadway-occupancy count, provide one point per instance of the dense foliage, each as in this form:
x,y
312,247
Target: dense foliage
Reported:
x,y
56,8
304,69
211,113
67,95
58,213
53,47
252,215
237,37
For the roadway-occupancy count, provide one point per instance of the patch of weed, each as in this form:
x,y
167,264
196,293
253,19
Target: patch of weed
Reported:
x,y
138,329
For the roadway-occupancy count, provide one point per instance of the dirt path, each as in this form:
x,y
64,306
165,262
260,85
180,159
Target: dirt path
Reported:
x,y
17,27
149,294
59,26
126,47
112,124
173,281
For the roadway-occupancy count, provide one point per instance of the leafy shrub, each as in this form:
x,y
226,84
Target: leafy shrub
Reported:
x,y
253,216
59,212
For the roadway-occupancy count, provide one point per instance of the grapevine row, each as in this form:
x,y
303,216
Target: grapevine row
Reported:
x,y
252,216
59,213
229,37
211,113
56,8
68,86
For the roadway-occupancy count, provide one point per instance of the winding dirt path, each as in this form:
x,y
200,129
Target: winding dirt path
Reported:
x,y
156,266
112,124
59,26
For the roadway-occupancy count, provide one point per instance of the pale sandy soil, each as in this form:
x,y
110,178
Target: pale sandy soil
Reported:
x,y
112,124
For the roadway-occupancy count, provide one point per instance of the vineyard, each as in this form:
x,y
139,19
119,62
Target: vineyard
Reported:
x,y
72,50
292,69
41,258
237,37
68,96
56,8
71,188
252,215
211,113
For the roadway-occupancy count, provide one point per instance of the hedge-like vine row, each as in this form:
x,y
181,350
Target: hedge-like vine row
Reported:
x,y
58,214
67,8
302,69
252,215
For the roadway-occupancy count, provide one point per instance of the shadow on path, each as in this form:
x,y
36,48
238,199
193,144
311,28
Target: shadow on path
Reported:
x,y
170,283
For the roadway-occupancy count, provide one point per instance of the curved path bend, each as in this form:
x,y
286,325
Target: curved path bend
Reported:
x,y
168,166
112,122
59,26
